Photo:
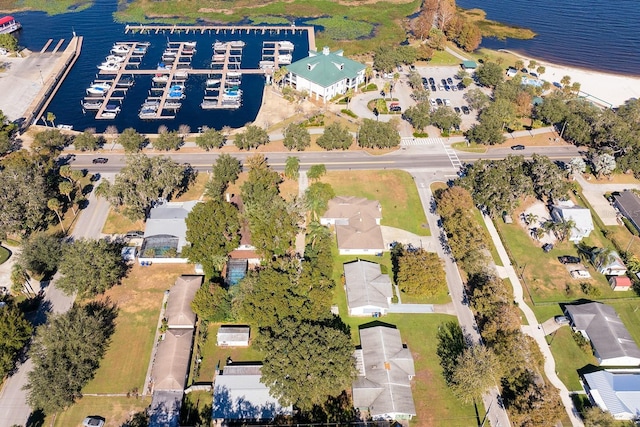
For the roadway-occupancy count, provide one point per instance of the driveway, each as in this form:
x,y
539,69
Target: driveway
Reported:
x,y
594,193
392,234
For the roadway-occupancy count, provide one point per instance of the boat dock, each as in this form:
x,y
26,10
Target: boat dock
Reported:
x,y
225,29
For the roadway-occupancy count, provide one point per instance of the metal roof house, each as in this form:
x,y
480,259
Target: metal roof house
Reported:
x,y
615,391
233,335
383,386
612,344
178,312
166,231
357,224
628,203
326,74
238,395
368,290
579,215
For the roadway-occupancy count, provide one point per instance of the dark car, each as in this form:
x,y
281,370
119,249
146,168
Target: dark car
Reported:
x,y
547,247
433,88
100,160
395,107
517,147
465,110
432,81
443,81
568,259
439,102
457,109
412,67
558,85
447,88
450,80
424,80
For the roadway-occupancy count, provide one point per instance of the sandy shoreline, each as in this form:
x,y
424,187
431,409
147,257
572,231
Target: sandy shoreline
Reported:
x,y
606,89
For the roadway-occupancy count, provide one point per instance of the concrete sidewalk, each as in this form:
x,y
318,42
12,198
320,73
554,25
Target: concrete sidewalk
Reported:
x,y
533,329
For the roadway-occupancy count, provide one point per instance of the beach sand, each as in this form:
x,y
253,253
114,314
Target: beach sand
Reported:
x,y
606,89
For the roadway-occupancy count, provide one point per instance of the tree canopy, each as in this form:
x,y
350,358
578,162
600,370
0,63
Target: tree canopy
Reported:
x,y
143,180
252,137
418,272
225,171
15,332
210,138
132,141
212,303
335,136
66,352
296,137
90,267
213,230
40,254
374,134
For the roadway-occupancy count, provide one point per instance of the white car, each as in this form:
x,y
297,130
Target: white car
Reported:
x,y
93,421
433,102
580,274
447,102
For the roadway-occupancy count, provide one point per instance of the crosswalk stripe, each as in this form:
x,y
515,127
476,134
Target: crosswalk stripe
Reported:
x,y
407,141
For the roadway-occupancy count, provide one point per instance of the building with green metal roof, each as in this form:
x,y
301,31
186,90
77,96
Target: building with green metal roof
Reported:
x,y
326,74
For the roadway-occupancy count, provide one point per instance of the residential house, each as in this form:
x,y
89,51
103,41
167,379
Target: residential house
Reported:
x,y
165,233
620,283
581,217
611,342
383,386
233,335
326,74
368,290
609,265
173,355
615,391
511,72
239,395
628,203
178,312
357,224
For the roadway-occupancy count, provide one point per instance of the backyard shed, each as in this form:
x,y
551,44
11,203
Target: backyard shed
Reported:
x,y
620,283
469,65
233,335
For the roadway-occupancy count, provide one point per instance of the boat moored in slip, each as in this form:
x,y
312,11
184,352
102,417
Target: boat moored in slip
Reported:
x,y
234,74
208,104
90,105
8,25
172,105
189,44
99,89
237,44
120,49
109,66
114,58
213,82
160,78
218,58
285,45
108,115
219,46
125,82
285,59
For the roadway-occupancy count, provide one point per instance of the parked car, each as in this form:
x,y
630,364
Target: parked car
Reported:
x,y
547,247
447,88
395,108
443,81
433,102
447,102
433,88
432,81
517,147
450,80
568,259
580,274
457,110
439,102
454,88
93,421
134,234
465,110
100,160
561,320
412,67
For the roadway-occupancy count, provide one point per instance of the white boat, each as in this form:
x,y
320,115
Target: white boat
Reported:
x,y
148,112
219,46
91,105
218,58
109,66
112,108
125,82
120,48
151,103
285,59
208,105
169,53
114,58
234,74
189,44
285,45
172,105
213,82
65,127
160,78
108,115
237,43
98,88
181,74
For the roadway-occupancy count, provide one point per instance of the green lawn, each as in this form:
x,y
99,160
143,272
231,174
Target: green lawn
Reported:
x,y
395,190
569,357
116,410
212,354
4,254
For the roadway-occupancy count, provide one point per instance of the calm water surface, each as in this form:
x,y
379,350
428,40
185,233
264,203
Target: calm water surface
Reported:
x,y
100,32
596,34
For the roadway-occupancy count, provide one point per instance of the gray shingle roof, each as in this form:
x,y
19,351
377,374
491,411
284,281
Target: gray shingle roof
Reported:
x,y
629,204
385,387
179,313
618,391
356,220
326,68
608,335
233,333
366,285
172,360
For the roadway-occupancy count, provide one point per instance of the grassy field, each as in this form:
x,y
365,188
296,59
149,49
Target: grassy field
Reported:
x,y
117,223
139,300
116,410
196,191
4,254
569,357
495,29
50,7
395,190
212,354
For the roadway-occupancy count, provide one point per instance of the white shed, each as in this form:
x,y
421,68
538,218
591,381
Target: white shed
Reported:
x,y
233,336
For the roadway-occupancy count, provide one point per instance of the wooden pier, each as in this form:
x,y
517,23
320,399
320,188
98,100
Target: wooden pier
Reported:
x,y
225,29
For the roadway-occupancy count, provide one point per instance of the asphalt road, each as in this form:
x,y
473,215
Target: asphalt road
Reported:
x,y
13,399
412,157
496,415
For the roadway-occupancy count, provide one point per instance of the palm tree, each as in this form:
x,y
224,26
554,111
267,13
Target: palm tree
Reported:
x,y
112,132
51,119
20,280
292,167
387,88
66,188
530,218
54,205
348,95
279,75
368,73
